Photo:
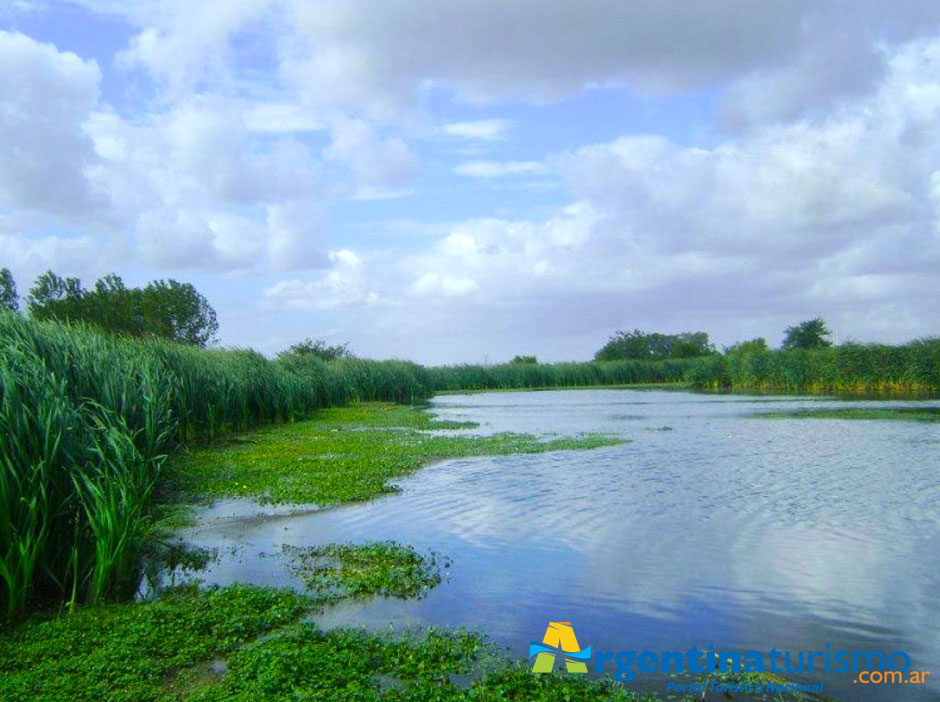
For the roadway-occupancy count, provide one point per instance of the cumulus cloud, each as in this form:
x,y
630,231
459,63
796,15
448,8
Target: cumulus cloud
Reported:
x,y
355,52
496,169
45,96
189,46
374,161
485,129
839,214
343,285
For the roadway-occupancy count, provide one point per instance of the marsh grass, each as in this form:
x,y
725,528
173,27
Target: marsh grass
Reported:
x,y
87,420
848,368
514,376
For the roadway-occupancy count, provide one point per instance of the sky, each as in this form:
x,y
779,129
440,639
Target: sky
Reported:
x,y
467,181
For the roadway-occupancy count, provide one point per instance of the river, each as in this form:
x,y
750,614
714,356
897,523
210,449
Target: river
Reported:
x,y
711,526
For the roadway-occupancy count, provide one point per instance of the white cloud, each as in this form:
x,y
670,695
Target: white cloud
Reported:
x,y
363,54
484,129
343,285
374,161
188,46
498,169
45,95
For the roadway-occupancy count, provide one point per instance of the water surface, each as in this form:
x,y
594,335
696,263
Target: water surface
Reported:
x,y
712,526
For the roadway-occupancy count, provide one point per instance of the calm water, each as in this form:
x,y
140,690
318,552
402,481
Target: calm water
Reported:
x,y
727,529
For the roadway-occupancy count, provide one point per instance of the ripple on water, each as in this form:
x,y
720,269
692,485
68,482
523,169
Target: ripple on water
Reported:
x,y
741,531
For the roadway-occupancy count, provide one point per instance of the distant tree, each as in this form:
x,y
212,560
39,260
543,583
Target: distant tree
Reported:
x,y
168,309
114,306
52,297
654,347
624,345
319,349
750,346
524,359
8,298
811,334
177,311
689,345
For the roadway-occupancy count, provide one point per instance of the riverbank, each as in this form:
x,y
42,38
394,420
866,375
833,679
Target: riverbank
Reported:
x,y
257,643
244,642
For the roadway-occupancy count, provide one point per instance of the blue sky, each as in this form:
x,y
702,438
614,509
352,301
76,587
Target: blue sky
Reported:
x,y
471,181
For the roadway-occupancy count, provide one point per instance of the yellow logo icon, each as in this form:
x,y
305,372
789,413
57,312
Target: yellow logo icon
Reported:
x,y
559,640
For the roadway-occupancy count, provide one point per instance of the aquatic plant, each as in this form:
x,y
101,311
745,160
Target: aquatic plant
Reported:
x,y
383,568
87,419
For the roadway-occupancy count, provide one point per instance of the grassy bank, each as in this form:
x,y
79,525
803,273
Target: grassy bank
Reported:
x,y
87,420
247,643
855,368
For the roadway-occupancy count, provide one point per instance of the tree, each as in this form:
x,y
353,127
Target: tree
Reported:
x,y
164,308
318,349
177,311
52,297
532,360
654,347
623,345
750,346
9,300
114,306
811,334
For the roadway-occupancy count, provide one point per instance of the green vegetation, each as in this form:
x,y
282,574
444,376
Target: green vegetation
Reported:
x,y
811,334
904,414
514,376
524,359
165,309
245,643
87,420
850,367
9,300
134,652
381,568
345,454
319,349
642,346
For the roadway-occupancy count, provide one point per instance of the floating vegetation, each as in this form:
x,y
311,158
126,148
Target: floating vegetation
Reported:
x,y
345,454
383,568
907,414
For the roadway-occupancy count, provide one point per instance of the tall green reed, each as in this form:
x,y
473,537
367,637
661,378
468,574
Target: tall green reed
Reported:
x,y
87,419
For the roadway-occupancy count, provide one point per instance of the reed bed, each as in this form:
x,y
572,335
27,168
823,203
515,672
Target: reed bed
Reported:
x,y
851,367
87,419
558,375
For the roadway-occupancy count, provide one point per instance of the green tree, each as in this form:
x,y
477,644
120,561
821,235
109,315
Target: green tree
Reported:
x,y
624,345
177,311
319,349
655,346
532,360
168,309
750,346
114,306
8,298
811,334
52,297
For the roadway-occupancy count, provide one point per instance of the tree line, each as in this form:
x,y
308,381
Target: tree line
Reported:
x,y
163,308
643,346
